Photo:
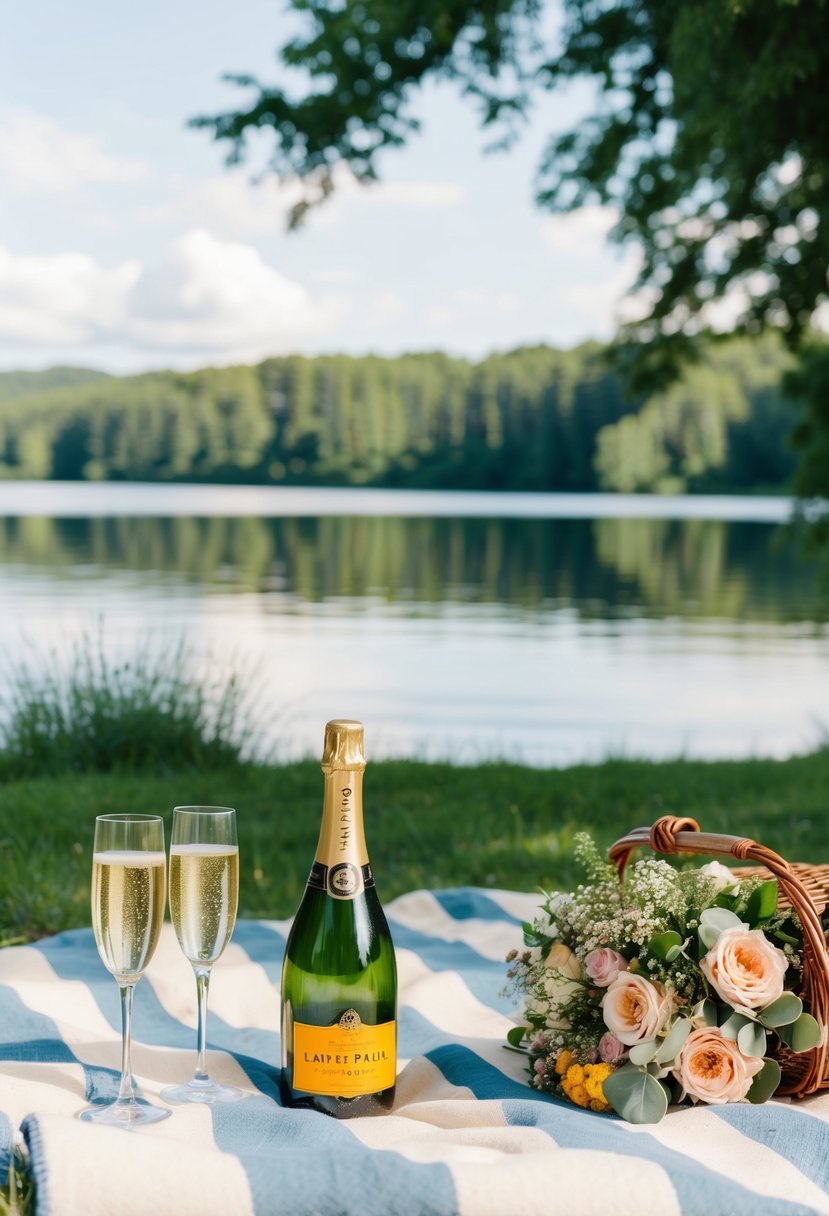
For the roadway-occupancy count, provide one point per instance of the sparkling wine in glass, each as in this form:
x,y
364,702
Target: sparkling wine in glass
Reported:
x,y
204,893
128,879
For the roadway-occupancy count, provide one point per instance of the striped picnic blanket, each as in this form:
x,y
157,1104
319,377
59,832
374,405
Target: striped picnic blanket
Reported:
x,y
466,1134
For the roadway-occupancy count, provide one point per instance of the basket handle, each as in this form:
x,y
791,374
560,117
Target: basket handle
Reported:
x,y
672,834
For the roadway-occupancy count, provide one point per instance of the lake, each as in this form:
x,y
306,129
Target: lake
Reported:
x,y
544,628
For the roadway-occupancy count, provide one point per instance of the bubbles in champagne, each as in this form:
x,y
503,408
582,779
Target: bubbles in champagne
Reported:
x,y
204,893
127,908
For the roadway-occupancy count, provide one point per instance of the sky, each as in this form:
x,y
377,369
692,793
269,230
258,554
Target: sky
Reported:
x,y
127,244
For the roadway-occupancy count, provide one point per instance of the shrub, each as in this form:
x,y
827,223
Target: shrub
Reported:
x,y
150,713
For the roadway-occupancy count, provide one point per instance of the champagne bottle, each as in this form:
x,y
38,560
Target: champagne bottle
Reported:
x,y
339,977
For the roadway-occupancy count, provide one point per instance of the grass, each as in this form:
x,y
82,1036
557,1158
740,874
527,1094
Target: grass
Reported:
x,y
428,825
151,713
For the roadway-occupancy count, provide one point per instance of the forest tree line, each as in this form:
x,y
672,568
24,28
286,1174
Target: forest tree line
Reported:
x,y
535,418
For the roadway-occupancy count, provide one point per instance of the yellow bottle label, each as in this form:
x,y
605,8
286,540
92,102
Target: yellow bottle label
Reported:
x,y
345,1060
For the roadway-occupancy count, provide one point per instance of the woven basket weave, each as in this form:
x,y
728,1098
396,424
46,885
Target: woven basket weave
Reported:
x,y
805,888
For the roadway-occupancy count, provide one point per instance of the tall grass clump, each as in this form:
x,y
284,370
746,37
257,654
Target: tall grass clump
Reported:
x,y
151,713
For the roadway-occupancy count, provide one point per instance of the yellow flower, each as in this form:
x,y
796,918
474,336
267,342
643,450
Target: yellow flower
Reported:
x,y
578,1094
582,1083
574,1075
563,1062
594,1077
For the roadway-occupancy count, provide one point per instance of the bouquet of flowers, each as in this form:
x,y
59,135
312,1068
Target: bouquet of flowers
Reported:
x,y
674,985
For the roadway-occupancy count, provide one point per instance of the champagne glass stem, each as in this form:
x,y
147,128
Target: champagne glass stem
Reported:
x,y
126,1091
202,986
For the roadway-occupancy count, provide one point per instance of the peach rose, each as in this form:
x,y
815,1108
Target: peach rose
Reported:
x,y
634,1009
744,968
604,965
713,1069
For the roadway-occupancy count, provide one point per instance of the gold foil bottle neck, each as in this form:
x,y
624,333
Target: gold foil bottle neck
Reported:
x,y
343,747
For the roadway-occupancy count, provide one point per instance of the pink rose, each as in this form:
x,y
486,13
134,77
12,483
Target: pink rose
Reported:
x,y
744,968
713,1069
634,1009
604,965
611,1049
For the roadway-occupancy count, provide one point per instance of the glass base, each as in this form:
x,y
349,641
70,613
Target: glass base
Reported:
x,y
124,1114
202,1091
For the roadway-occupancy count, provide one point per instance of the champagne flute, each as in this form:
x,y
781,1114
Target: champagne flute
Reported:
x,y
204,893
128,873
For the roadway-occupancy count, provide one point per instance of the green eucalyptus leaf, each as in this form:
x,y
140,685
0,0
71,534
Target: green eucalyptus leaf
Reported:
x,y
673,1042
802,1035
708,935
713,922
765,1083
762,903
705,1012
751,1040
733,1024
516,1035
723,918
785,1010
636,1095
666,946
643,1053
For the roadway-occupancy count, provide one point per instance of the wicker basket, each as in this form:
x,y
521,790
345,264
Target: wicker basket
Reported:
x,y
805,888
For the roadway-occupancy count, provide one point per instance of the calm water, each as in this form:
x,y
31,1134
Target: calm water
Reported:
x,y
545,628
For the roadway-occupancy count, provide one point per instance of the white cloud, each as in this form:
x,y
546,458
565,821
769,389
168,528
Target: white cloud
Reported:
x,y
204,298
208,295
36,154
60,299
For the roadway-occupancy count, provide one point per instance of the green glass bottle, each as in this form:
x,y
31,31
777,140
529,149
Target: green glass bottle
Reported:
x,y
339,977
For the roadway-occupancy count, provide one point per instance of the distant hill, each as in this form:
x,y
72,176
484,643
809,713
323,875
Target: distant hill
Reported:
x,y
21,384
530,419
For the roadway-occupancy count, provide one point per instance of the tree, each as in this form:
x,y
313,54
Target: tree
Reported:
x,y
708,138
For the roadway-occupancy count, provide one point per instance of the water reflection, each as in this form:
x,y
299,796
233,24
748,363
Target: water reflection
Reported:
x,y
605,568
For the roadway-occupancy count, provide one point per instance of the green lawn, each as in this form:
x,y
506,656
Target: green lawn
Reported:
x,y
428,825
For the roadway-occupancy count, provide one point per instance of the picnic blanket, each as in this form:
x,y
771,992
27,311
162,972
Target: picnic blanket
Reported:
x,y
466,1135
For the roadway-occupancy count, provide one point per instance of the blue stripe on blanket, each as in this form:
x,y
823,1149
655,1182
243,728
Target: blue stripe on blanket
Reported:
x,y
6,1145
798,1138
37,1164
315,1164
469,903
31,1036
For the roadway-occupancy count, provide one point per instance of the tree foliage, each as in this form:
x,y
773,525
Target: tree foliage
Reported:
x,y
531,419
708,136
708,139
